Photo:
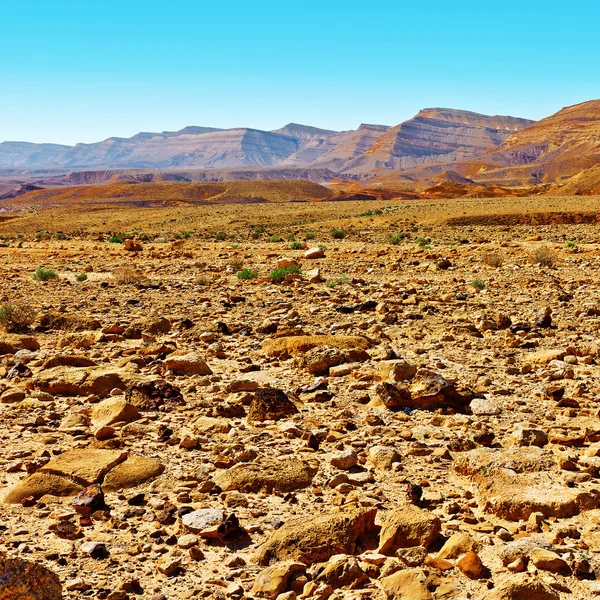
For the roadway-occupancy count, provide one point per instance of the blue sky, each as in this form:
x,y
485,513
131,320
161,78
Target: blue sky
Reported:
x,y
82,71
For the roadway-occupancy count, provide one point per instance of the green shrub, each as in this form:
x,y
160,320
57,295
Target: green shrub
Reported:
x,y
247,274
423,241
41,235
81,277
16,318
310,235
278,275
115,239
43,274
296,245
60,236
274,239
478,284
397,238
338,234
570,245
220,236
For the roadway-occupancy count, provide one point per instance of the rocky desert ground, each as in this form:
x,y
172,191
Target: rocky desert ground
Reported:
x,y
349,400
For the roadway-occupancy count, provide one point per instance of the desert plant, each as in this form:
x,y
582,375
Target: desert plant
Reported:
x,y
81,277
570,245
423,241
274,239
16,318
338,234
115,239
296,245
247,274
544,256
220,236
310,235
60,235
493,260
201,280
478,284
127,275
43,274
397,238
339,280
278,275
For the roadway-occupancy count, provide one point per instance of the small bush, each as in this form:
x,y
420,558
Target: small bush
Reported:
x,y
274,239
247,274
570,245
127,275
544,256
338,234
423,241
81,277
60,236
310,235
41,235
43,274
339,280
220,236
397,238
16,318
478,284
278,275
201,280
296,245
115,239
493,260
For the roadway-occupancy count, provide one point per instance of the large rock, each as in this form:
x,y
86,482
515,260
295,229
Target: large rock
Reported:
x,y
317,538
408,584
408,526
429,390
187,364
68,473
277,579
480,461
271,404
113,410
11,343
317,361
204,521
282,476
293,345
26,580
73,381
457,544
397,370
522,587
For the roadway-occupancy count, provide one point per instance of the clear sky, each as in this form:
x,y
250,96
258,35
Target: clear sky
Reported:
x,y
81,71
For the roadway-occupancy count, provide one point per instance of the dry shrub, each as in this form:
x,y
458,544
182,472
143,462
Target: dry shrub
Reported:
x,y
544,256
493,260
16,318
127,275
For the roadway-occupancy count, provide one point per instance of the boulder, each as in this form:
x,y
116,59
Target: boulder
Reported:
x,y
317,361
394,371
407,584
408,526
131,473
282,476
293,345
313,253
317,538
270,404
187,364
113,410
73,381
457,544
522,586
22,579
11,343
277,579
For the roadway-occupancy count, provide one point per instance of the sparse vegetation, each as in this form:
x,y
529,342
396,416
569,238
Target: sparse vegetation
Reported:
x,y
220,236
338,234
544,256
493,260
16,318
247,274
570,245
296,245
478,284
127,275
278,275
397,238
339,280
43,274
310,235
81,277
274,239
115,239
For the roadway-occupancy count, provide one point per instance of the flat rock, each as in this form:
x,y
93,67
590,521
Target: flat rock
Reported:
x,y
293,345
22,579
408,526
187,364
522,586
112,410
11,343
73,381
407,584
313,539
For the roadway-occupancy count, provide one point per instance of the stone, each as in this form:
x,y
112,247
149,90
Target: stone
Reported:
x,y
277,579
407,584
470,564
298,344
429,390
169,565
11,343
281,476
342,571
113,410
529,436
397,370
317,538
11,396
542,357
187,364
286,263
74,381
131,473
408,526
154,395
271,404
345,460
204,521
89,500
522,587
383,457
22,579
317,361
548,561
314,253
484,407
457,544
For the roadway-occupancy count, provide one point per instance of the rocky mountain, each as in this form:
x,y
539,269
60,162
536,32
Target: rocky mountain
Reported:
x,y
562,145
433,136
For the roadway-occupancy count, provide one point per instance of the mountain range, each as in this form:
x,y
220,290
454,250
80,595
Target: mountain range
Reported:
x,y
456,145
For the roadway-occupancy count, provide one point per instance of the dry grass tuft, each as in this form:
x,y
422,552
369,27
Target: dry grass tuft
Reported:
x,y
16,318
128,275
